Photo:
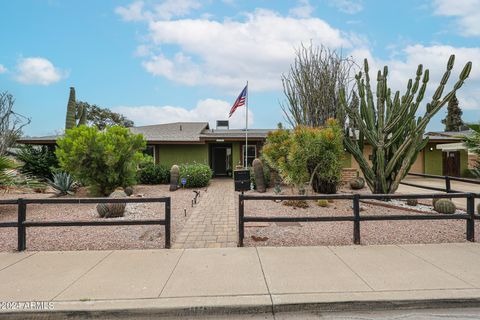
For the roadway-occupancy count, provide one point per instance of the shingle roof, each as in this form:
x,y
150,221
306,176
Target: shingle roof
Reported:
x,y
234,133
177,131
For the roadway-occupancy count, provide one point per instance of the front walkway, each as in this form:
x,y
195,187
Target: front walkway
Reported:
x,y
252,279
212,223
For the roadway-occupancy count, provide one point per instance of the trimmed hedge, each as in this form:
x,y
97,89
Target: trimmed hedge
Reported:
x,y
151,173
196,175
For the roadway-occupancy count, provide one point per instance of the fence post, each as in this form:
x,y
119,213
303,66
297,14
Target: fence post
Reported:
x,y
168,219
448,187
471,219
241,228
356,222
21,230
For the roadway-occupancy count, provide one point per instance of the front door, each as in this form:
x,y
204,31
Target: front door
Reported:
x,y
221,162
451,163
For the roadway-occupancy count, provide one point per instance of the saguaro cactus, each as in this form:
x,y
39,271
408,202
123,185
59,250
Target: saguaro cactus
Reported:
x,y
390,125
76,114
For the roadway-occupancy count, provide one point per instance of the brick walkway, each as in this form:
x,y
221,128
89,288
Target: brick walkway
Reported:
x,y
213,222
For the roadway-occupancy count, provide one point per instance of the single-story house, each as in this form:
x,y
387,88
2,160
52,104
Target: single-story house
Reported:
x,y
223,148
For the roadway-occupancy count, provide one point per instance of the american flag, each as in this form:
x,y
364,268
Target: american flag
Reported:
x,y
240,101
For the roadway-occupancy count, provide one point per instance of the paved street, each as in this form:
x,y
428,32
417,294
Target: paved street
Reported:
x,y
245,279
212,223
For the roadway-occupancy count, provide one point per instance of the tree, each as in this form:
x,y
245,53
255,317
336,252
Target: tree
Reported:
x,y
473,143
453,121
11,123
103,117
390,126
103,160
313,84
307,155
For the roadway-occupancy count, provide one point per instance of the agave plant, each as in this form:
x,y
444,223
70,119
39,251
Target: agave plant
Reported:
x,y
63,183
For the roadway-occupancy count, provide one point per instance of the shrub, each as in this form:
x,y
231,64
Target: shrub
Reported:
x,y
38,162
63,183
103,160
152,173
196,175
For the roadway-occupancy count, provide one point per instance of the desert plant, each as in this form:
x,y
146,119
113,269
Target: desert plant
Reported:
x,y
390,125
174,177
196,175
63,183
323,203
296,203
37,161
151,173
128,190
412,202
445,206
357,183
258,174
312,86
11,123
113,210
103,160
76,114
453,121
10,177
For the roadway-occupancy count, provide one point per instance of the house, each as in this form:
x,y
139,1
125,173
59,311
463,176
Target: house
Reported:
x,y
223,148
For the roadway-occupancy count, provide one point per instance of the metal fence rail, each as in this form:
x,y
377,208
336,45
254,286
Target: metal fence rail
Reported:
x,y
448,180
22,223
356,218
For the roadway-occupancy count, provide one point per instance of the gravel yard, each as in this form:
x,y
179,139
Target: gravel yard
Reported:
x,y
95,237
341,233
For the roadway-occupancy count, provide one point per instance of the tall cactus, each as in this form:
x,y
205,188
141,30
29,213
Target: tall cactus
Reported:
x,y
76,114
390,125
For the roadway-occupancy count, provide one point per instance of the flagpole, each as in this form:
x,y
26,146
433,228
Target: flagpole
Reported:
x,y
246,128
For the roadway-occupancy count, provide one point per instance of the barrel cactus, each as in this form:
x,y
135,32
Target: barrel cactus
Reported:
x,y
128,190
357,183
174,177
412,202
259,177
445,206
323,203
112,210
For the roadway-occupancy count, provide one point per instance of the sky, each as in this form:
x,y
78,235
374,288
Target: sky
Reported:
x,y
185,60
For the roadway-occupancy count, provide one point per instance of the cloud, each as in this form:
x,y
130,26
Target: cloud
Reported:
x,y
303,10
403,67
206,110
36,70
466,12
259,47
2,69
167,9
347,6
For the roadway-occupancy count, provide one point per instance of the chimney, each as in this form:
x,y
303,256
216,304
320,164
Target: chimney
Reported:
x,y
180,127
222,124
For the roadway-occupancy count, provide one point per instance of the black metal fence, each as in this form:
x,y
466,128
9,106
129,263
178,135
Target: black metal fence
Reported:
x,y
22,223
447,179
356,218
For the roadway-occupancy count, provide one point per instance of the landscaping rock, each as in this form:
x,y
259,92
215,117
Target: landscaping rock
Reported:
x,y
174,177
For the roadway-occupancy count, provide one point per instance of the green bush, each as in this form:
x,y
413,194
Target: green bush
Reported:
x,y
151,173
196,175
103,160
38,161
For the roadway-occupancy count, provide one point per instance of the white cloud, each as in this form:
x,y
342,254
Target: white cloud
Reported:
x,y
467,13
303,10
347,6
258,48
2,68
206,110
133,12
36,70
403,67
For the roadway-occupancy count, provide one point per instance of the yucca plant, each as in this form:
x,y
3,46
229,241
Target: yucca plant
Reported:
x,y
63,183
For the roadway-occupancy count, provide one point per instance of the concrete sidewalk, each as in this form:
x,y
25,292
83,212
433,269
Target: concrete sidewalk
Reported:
x,y
196,281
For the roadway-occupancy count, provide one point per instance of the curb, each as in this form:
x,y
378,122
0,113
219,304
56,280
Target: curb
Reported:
x,y
338,306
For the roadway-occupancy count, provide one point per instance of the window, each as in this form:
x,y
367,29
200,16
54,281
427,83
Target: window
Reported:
x,y
150,151
252,154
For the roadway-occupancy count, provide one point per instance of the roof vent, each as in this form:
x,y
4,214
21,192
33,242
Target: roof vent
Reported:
x,y
222,124
180,127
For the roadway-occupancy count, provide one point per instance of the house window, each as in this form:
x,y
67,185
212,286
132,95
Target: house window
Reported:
x,y
150,151
251,155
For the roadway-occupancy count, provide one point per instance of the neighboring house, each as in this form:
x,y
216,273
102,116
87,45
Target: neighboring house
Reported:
x,y
222,148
